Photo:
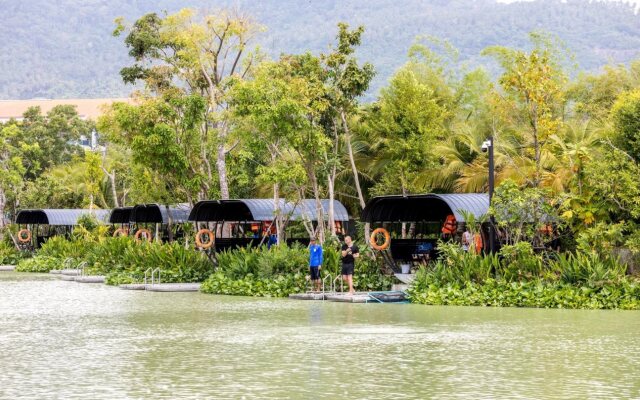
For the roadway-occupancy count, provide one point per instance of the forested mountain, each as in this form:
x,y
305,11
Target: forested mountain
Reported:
x,y
65,48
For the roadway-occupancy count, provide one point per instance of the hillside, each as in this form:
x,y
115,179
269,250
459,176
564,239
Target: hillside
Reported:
x,y
65,48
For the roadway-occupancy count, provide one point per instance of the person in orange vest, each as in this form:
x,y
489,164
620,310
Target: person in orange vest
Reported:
x,y
477,238
450,226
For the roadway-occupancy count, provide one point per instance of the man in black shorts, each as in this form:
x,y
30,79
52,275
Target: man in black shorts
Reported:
x,y
349,253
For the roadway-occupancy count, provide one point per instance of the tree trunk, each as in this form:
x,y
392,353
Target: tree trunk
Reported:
x,y
319,214
221,164
332,218
276,211
114,192
354,169
3,205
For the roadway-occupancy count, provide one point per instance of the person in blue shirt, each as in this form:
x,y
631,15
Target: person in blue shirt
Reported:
x,y
315,262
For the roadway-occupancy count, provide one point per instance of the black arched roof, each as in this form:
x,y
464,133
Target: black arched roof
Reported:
x,y
60,217
261,210
426,207
158,214
120,215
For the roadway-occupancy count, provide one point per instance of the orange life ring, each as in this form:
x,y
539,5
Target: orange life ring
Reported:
x,y
209,234
121,232
374,242
24,239
148,234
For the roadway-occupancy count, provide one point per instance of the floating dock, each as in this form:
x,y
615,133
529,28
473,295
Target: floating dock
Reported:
x,y
7,268
162,287
132,286
90,279
173,287
358,297
310,295
69,272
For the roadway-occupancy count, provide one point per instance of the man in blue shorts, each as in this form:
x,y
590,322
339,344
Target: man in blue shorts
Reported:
x,y
315,262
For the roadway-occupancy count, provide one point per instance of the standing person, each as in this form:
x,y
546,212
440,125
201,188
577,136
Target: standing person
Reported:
x,y
315,262
349,253
466,240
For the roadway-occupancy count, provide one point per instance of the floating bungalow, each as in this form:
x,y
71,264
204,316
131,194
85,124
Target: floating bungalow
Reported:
x,y
412,225
155,221
38,225
250,222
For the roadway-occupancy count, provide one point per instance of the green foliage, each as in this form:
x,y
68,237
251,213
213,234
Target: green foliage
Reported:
x,y
8,254
521,213
39,263
519,263
499,293
589,269
625,114
250,285
282,270
176,263
458,267
61,248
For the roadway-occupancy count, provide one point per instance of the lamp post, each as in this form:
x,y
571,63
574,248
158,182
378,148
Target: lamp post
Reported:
x,y
487,146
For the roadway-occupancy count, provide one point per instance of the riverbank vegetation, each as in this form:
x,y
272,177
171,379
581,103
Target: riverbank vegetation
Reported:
x,y
274,272
214,118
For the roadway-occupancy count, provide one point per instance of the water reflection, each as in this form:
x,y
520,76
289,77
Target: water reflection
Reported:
x,y
68,340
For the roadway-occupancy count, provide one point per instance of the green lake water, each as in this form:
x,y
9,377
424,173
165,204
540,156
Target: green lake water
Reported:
x,y
67,340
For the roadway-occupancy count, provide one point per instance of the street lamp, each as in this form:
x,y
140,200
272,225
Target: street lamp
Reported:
x,y
487,146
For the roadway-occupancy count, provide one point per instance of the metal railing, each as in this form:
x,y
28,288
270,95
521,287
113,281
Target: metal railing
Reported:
x,y
81,267
335,286
330,283
153,274
146,272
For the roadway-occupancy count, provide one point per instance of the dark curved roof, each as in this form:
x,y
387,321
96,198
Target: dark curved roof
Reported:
x,y
60,217
261,210
426,207
120,215
158,214
234,210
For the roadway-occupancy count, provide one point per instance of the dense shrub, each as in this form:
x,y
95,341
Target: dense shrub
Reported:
x,y
176,263
62,248
9,255
39,264
500,293
251,285
282,270
590,269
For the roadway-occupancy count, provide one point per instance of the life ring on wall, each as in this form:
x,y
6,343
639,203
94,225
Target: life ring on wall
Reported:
x,y
374,242
199,235
121,232
148,235
22,238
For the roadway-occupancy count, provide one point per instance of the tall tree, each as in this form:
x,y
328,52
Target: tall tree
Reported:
x,y
532,100
199,55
